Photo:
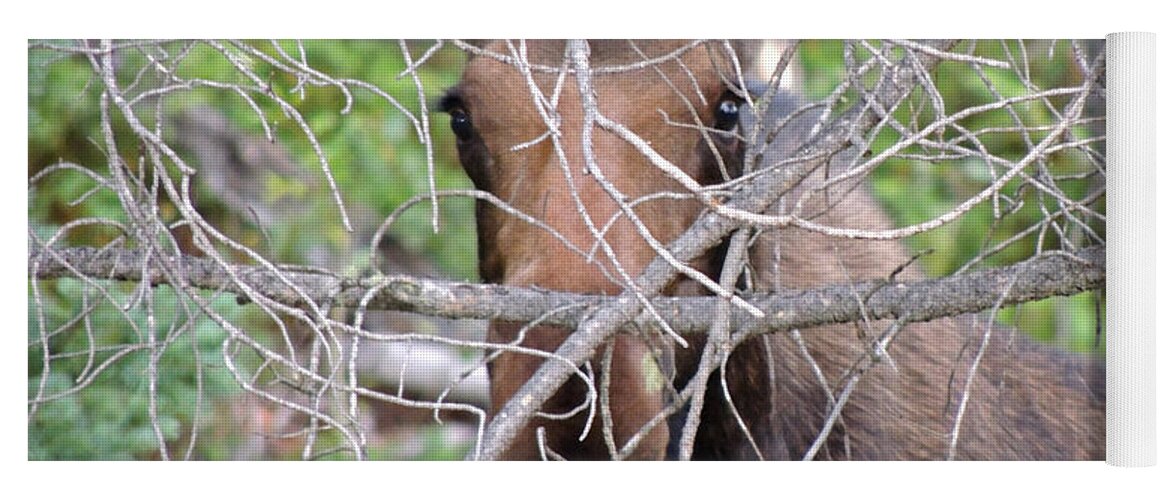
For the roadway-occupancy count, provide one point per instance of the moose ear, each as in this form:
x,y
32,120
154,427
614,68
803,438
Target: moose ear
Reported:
x,y
733,58
746,50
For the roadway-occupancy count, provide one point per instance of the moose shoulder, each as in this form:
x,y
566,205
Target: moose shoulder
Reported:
x,y
684,100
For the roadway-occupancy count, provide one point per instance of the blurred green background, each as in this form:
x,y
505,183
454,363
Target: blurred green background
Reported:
x,y
378,164
915,191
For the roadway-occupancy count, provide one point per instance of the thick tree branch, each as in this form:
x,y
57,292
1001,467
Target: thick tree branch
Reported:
x,y
1045,275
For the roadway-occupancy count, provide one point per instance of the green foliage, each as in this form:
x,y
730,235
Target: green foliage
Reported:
x,y
373,154
60,112
373,151
109,419
915,191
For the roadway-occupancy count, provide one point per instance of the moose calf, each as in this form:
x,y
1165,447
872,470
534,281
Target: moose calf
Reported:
x,y
1025,402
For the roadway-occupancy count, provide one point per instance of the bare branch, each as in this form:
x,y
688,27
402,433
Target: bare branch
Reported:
x,y
1046,275
889,110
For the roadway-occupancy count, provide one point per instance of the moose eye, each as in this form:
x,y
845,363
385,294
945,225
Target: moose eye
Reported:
x,y
461,124
727,114
452,103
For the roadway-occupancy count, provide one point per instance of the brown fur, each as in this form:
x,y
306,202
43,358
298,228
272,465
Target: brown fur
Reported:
x,y
1027,401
